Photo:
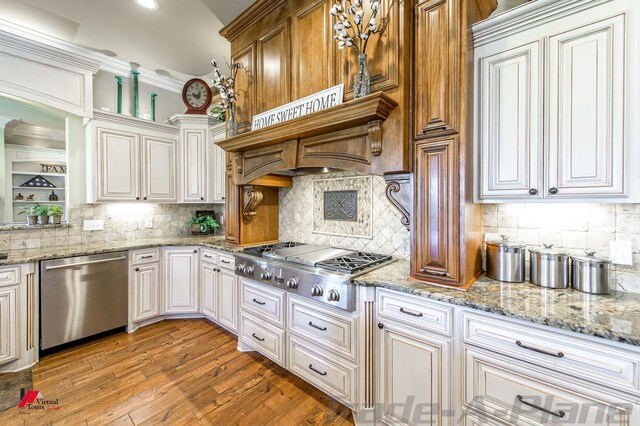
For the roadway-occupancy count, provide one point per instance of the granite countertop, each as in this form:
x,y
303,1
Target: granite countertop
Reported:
x,y
33,255
614,317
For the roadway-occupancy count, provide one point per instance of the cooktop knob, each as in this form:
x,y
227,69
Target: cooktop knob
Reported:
x,y
265,275
292,283
333,296
240,268
316,290
248,270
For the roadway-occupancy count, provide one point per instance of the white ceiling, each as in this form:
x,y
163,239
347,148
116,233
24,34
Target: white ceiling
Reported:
x,y
178,40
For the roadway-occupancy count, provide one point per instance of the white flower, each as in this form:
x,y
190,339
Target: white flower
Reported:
x,y
352,10
372,24
334,10
347,24
344,33
364,36
349,42
358,3
341,44
338,26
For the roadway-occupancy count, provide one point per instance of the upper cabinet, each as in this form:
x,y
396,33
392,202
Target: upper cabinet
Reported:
x,y
273,72
130,160
556,109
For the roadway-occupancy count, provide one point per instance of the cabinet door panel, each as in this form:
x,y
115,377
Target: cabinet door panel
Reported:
x,y
586,110
273,68
228,299
181,280
146,292
509,120
311,40
219,174
118,165
194,157
159,160
246,103
9,337
414,371
209,285
437,66
437,245
233,210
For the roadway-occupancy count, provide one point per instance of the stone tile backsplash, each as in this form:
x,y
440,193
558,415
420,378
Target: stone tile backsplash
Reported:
x,y
574,227
296,218
122,222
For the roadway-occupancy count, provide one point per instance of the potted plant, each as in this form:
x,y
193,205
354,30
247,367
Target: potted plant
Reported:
x,y
32,214
43,214
205,224
56,214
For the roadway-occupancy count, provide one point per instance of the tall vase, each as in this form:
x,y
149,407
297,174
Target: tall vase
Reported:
x,y
153,96
232,124
362,78
119,79
136,102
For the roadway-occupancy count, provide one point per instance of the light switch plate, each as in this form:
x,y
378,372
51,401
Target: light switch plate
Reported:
x,y
148,222
93,225
621,252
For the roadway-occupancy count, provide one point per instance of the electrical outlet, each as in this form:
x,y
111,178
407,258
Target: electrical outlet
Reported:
x,y
148,222
93,225
621,252
488,236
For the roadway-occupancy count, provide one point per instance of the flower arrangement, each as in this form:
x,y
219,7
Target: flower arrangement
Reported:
x,y
228,93
353,29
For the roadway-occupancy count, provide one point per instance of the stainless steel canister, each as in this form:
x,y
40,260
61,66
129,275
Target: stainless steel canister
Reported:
x,y
505,260
591,273
549,267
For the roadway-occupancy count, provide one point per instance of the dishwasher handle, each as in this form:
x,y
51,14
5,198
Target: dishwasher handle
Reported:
x,y
90,262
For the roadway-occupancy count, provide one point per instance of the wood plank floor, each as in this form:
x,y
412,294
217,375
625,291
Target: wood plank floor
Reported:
x,y
175,372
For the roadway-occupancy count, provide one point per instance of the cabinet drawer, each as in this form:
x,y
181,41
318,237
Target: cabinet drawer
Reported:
x,y
596,362
415,311
323,327
10,276
263,337
521,395
226,261
335,377
265,302
140,257
209,256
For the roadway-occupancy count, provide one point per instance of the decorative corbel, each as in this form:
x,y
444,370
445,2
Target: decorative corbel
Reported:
x,y
253,199
399,193
375,137
238,156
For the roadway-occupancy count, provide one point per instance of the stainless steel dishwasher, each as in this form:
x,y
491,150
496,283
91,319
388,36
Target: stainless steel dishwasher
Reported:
x,y
82,296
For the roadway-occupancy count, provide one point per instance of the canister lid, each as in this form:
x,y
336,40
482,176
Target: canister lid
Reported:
x,y
505,243
592,259
548,250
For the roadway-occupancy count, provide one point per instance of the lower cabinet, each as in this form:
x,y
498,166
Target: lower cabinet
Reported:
x,y
146,292
181,280
228,300
209,290
9,338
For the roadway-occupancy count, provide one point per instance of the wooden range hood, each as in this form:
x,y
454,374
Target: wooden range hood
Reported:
x,y
347,137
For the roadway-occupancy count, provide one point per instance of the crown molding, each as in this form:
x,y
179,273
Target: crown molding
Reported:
x,y
249,18
76,56
138,123
29,131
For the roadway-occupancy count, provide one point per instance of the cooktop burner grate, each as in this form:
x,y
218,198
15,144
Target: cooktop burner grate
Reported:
x,y
259,250
353,263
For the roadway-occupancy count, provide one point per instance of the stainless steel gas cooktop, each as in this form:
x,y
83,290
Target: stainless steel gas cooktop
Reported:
x,y
316,272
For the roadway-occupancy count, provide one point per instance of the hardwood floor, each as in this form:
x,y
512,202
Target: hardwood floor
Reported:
x,y
177,372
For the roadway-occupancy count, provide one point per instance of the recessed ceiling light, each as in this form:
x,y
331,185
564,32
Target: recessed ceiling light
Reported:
x,y
148,4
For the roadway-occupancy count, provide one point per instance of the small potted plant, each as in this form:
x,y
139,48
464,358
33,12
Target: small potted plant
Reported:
x,y
31,212
56,214
203,224
43,214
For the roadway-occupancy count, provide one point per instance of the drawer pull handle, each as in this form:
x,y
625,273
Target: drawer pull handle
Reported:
x,y
435,274
557,355
313,369
259,302
412,313
225,261
146,257
559,413
256,337
208,256
315,326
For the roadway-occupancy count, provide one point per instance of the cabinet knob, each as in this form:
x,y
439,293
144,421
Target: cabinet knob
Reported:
x,y
137,198
195,251
533,191
553,191
137,269
201,198
145,198
380,325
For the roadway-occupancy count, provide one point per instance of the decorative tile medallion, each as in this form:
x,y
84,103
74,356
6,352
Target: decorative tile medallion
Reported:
x,y
343,206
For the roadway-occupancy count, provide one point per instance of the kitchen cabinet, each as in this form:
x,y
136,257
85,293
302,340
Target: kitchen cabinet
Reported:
x,y
552,104
209,290
202,162
273,70
181,280
131,160
228,300
9,337
146,283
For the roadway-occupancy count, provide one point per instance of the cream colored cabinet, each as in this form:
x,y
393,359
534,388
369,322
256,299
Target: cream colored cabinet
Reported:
x,y
146,292
555,107
9,337
209,277
202,162
181,280
129,159
228,300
